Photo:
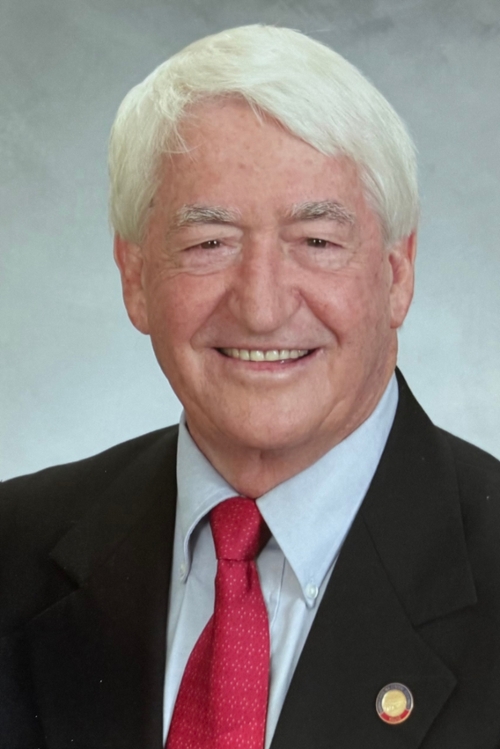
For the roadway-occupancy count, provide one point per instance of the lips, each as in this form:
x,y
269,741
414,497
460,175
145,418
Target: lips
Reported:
x,y
260,355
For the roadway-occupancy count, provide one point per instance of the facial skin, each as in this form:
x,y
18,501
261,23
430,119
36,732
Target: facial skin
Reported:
x,y
258,242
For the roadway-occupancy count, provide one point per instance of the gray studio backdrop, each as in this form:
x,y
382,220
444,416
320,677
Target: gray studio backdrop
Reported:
x,y
75,377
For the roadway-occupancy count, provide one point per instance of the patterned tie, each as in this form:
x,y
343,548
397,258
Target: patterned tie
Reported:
x,y
222,700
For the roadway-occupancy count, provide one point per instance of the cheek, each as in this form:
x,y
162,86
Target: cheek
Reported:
x,y
373,298
179,307
356,310
350,303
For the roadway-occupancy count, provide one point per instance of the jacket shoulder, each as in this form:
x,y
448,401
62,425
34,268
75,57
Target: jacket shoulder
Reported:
x,y
478,478
92,473
478,472
37,508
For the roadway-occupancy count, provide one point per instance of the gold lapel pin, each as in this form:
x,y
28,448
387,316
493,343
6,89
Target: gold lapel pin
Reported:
x,y
394,703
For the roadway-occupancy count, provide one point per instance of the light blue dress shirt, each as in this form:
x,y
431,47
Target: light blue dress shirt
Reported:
x,y
309,517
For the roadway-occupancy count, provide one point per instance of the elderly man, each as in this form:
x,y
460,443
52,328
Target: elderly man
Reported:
x,y
265,205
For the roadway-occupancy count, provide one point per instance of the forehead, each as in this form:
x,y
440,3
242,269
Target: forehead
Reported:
x,y
250,163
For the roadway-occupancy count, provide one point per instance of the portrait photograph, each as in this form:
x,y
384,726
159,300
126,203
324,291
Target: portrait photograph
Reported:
x,y
250,374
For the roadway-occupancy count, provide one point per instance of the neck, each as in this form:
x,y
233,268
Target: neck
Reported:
x,y
253,471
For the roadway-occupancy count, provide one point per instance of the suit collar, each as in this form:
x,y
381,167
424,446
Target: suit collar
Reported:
x,y
412,512
98,654
360,641
404,563
131,495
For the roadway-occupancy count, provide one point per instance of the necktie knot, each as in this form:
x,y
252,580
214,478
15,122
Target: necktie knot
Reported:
x,y
238,529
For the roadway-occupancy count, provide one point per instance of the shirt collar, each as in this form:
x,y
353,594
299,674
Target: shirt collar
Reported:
x,y
322,500
199,488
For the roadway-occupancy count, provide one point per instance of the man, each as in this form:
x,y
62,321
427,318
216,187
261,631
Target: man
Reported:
x,y
265,207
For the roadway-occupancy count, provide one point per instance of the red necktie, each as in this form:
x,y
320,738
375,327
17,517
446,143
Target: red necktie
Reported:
x,y
222,700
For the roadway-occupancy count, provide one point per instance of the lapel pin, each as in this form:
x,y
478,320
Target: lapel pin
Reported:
x,y
394,703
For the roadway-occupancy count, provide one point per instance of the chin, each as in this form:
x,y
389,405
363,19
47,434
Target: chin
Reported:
x,y
269,433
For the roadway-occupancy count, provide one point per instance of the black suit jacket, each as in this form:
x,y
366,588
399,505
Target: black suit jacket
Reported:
x,y
85,554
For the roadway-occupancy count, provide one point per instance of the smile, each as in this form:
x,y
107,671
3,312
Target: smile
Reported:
x,y
261,355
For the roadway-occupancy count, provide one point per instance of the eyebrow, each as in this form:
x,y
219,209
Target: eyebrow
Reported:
x,y
190,215
322,209
195,214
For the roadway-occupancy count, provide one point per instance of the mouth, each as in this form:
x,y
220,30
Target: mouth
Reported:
x,y
261,355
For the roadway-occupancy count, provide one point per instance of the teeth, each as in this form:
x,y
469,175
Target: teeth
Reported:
x,y
272,355
256,355
260,355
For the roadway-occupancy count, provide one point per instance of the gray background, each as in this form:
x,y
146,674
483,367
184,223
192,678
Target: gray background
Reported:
x,y
75,377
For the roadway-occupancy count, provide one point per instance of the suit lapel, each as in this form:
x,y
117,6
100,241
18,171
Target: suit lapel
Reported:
x,y
403,564
98,654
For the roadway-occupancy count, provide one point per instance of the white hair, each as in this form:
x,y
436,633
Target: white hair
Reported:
x,y
310,89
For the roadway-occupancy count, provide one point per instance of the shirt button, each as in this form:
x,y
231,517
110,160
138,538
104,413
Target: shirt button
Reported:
x,y
312,591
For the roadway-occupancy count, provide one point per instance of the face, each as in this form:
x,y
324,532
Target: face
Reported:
x,y
264,284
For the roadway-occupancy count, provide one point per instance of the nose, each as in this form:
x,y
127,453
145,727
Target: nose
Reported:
x,y
263,297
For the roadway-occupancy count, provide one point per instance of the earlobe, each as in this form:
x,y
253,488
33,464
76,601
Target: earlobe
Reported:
x,y
129,259
402,259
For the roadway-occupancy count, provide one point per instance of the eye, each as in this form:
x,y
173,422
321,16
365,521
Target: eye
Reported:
x,y
210,244
317,242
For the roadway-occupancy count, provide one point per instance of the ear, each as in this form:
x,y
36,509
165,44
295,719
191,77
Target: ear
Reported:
x,y
130,261
402,261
